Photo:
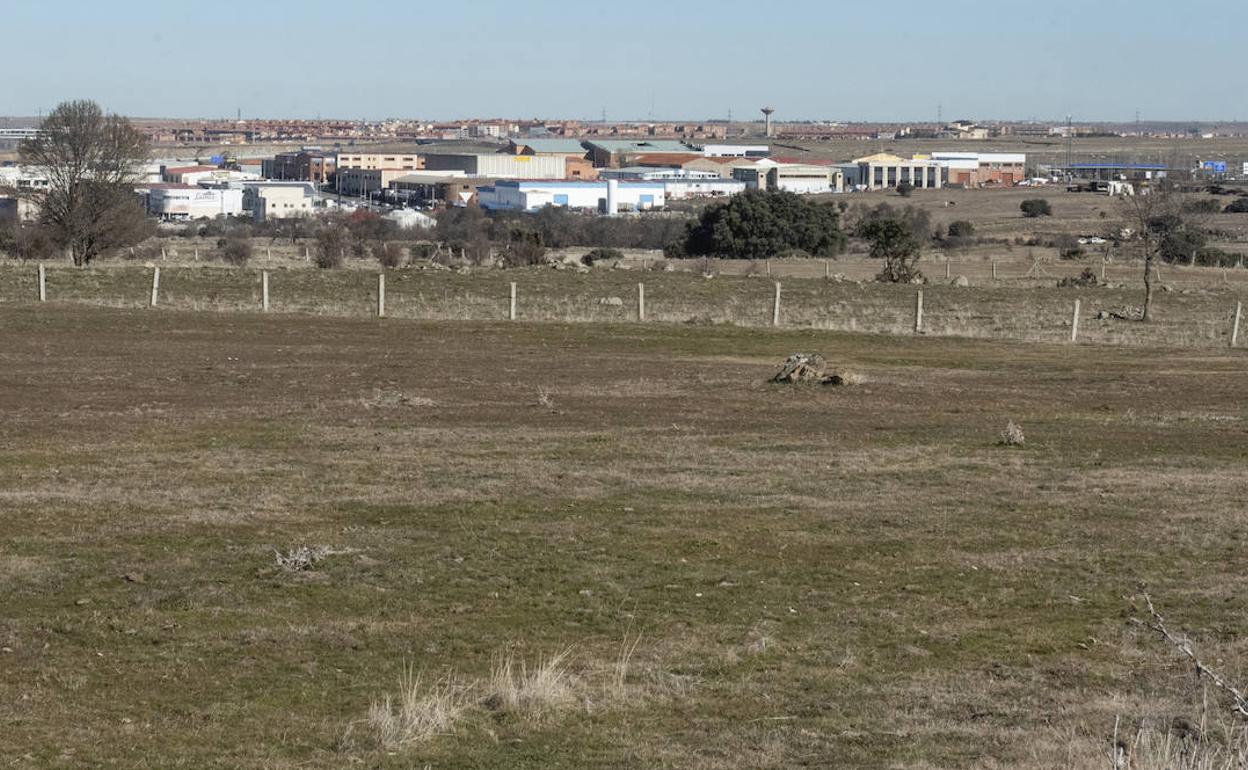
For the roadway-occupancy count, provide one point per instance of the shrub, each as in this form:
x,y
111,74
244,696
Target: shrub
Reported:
x,y
1035,207
893,242
234,250
602,255
961,229
1237,206
1071,252
524,248
904,189
758,225
387,254
1012,435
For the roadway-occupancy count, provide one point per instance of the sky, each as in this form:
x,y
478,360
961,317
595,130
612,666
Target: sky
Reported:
x,y
891,60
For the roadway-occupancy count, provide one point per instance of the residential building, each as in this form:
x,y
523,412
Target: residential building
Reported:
x,y
531,195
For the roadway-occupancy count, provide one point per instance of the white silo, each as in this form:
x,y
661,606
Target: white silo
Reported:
x,y
613,197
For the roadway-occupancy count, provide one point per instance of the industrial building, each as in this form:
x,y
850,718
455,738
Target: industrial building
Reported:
x,y
375,160
501,165
736,151
306,165
360,182
800,178
613,153
179,203
716,187
277,200
451,187
979,169
203,175
607,196
884,171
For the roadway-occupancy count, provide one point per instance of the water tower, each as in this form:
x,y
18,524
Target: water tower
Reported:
x,y
767,119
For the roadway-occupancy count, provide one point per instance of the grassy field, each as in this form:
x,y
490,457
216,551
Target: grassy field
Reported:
x,y
741,574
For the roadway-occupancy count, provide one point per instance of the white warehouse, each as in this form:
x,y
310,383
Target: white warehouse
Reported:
x,y
530,195
175,203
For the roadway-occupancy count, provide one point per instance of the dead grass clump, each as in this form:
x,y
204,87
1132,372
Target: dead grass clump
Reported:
x,y
1181,747
420,713
302,557
389,399
515,689
1012,435
544,399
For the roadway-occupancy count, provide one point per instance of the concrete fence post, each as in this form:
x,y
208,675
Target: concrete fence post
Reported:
x,y
511,315
381,295
43,283
947,276
827,269
196,253
918,312
155,285
264,291
1074,323
162,253
775,308
994,269
1239,312
641,302
769,268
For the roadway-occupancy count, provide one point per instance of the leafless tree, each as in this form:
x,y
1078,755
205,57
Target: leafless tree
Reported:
x,y
1146,217
92,162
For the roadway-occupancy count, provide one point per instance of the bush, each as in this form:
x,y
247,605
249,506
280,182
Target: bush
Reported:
x,y
1035,207
234,250
961,229
1237,206
332,241
524,249
904,189
602,255
388,254
893,242
759,225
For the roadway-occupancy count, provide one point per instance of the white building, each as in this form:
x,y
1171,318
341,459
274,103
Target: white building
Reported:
x,y
799,178
501,165
715,187
277,200
23,179
736,151
181,203
531,195
654,174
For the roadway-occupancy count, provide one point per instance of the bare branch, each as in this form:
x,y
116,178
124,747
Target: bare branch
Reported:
x,y
1184,645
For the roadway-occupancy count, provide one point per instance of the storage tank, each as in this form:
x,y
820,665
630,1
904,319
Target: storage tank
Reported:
x,y
613,197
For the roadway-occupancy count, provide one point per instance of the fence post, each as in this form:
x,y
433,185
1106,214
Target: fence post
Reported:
x,y
827,269
43,283
947,270
511,315
769,268
381,295
196,253
1239,312
1102,271
775,308
268,255
162,253
155,285
641,302
264,290
918,312
1074,323
994,269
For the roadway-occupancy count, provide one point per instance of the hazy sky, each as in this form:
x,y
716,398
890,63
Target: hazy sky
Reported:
x,y
824,59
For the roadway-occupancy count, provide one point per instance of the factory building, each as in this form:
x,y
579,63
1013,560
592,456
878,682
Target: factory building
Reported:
x,y
799,178
605,196
501,165
736,151
717,187
306,165
451,187
360,182
576,157
375,160
179,203
884,171
277,200
613,153
203,175
980,169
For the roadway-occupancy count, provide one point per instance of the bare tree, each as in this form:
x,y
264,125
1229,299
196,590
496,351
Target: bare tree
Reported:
x,y
92,162
1150,217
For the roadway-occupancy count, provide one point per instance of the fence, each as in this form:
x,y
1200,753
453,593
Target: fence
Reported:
x,y
1196,319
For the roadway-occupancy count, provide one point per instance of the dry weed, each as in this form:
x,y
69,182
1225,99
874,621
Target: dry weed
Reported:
x,y
514,689
420,712
1012,435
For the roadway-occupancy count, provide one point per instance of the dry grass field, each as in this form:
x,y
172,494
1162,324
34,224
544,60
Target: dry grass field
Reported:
x,y
607,545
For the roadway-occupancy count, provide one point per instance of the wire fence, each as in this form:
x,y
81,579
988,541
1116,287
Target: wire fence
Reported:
x,y
1204,318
